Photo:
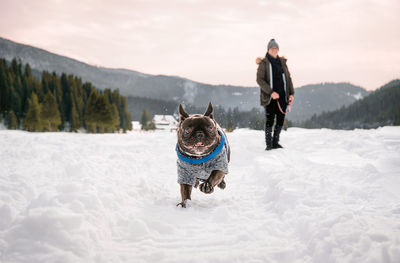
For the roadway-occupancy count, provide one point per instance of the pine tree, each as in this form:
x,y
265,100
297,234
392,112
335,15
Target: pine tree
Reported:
x,y
15,67
12,121
75,122
397,116
49,114
15,102
230,126
90,112
126,122
77,109
4,88
104,114
144,120
115,118
26,88
27,71
32,119
66,98
151,126
236,116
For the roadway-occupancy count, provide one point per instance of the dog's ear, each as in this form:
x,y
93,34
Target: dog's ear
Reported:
x,y
210,111
182,113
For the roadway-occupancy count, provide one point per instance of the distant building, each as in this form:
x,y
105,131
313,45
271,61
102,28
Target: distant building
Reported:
x,y
136,126
165,122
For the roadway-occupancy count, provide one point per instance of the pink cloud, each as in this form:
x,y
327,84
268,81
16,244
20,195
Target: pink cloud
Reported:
x,y
216,41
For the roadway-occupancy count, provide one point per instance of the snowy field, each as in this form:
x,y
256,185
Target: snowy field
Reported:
x,y
329,196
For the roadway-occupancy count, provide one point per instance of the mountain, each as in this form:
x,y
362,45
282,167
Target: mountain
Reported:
x,y
319,98
133,83
380,108
309,99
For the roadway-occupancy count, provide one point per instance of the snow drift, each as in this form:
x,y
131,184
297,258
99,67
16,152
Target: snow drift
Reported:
x,y
329,196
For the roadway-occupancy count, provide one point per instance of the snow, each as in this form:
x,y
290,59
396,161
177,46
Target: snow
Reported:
x,y
328,196
357,96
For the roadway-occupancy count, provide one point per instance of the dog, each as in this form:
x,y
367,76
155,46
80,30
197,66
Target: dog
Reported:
x,y
203,153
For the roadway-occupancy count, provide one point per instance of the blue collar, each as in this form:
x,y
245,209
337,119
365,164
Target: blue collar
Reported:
x,y
197,160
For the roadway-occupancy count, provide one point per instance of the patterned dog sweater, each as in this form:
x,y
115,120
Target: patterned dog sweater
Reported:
x,y
189,172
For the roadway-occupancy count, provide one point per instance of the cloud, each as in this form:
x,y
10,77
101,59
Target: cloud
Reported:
x,y
217,41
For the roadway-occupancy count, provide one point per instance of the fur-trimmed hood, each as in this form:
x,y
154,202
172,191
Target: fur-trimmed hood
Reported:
x,y
259,59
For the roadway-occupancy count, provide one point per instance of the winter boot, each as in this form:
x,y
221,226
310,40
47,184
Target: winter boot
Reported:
x,y
268,137
275,139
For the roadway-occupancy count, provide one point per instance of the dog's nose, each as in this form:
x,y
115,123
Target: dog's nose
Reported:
x,y
199,135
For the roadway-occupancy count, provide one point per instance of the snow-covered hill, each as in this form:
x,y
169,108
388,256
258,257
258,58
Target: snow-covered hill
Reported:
x,y
309,99
329,196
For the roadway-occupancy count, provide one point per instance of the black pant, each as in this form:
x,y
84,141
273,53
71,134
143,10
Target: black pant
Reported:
x,y
271,111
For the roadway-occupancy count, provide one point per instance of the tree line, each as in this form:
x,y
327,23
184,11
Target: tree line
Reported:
x,y
143,110
231,119
55,103
380,108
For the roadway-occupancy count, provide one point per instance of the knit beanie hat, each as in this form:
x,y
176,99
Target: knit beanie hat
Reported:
x,y
272,43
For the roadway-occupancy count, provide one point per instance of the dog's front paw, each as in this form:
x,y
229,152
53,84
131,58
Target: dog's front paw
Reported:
x,y
184,204
222,184
206,187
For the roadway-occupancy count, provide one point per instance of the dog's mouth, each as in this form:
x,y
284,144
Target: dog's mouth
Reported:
x,y
198,148
198,145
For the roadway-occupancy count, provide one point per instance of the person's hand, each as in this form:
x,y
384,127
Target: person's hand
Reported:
x,y
275,95
291,97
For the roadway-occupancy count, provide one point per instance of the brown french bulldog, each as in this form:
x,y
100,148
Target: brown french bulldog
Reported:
x,y
203,153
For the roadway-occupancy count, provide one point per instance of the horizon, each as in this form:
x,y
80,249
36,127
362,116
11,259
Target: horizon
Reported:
x,y
182,39
218,84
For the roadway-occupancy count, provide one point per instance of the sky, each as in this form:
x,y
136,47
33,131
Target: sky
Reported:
x,y
216,42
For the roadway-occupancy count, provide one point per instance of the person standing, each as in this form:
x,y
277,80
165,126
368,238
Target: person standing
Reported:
x,y
276,93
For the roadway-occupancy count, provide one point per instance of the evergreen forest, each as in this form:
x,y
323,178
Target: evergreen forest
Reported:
x,y
58,103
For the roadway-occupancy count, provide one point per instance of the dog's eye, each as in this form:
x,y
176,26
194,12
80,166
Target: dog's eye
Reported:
x,y
188,130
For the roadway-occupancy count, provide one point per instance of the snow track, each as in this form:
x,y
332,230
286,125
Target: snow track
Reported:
x,y
329,196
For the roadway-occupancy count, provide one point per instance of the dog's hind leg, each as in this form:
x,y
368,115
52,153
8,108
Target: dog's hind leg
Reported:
x,y
216,178
186,191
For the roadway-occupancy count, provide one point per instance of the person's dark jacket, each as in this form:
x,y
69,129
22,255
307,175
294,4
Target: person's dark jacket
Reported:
x,y
263,79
